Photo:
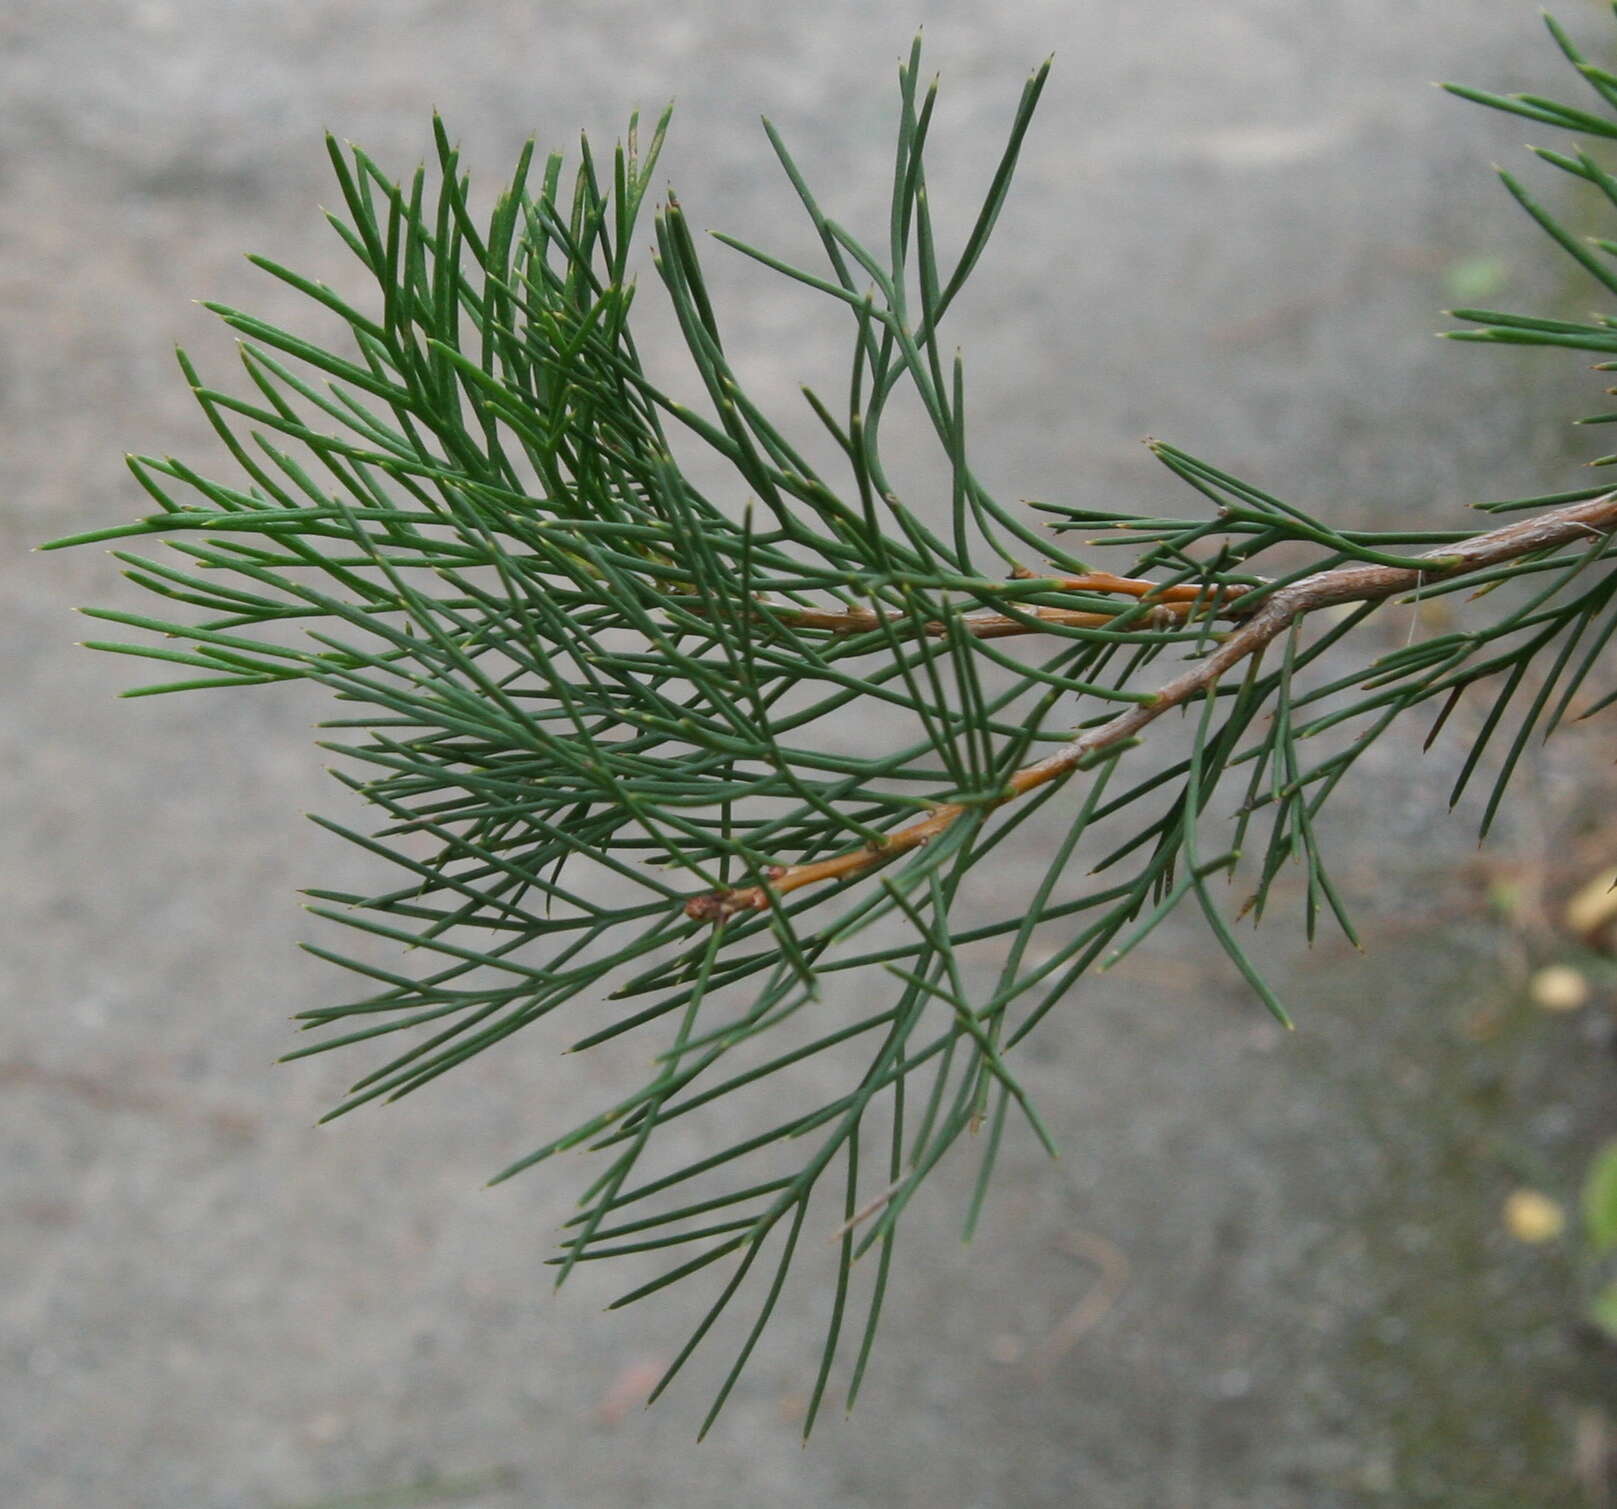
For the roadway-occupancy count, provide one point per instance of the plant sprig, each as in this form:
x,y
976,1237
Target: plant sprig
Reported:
x,y
602,717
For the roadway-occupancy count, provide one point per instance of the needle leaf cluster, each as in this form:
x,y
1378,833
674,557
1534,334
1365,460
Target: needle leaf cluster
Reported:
x,y
722,773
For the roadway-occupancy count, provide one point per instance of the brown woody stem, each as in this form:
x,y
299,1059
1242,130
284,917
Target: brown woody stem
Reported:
x,y
1272,617
1170,605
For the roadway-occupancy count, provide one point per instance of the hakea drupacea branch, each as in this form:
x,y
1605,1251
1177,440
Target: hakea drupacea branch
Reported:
x,y
1272,615
1166,607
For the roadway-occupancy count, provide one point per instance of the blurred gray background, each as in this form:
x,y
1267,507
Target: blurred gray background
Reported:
x,y
1267,1271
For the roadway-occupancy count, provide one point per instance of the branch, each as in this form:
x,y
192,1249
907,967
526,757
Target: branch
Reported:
x,y
1171,605
1274,615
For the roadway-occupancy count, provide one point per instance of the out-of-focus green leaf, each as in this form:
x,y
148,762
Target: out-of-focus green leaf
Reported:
x,y
1600,1200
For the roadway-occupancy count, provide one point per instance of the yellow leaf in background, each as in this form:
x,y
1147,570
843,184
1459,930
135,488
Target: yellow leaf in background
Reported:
x,y
1594,906
1534,1217
1558,987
